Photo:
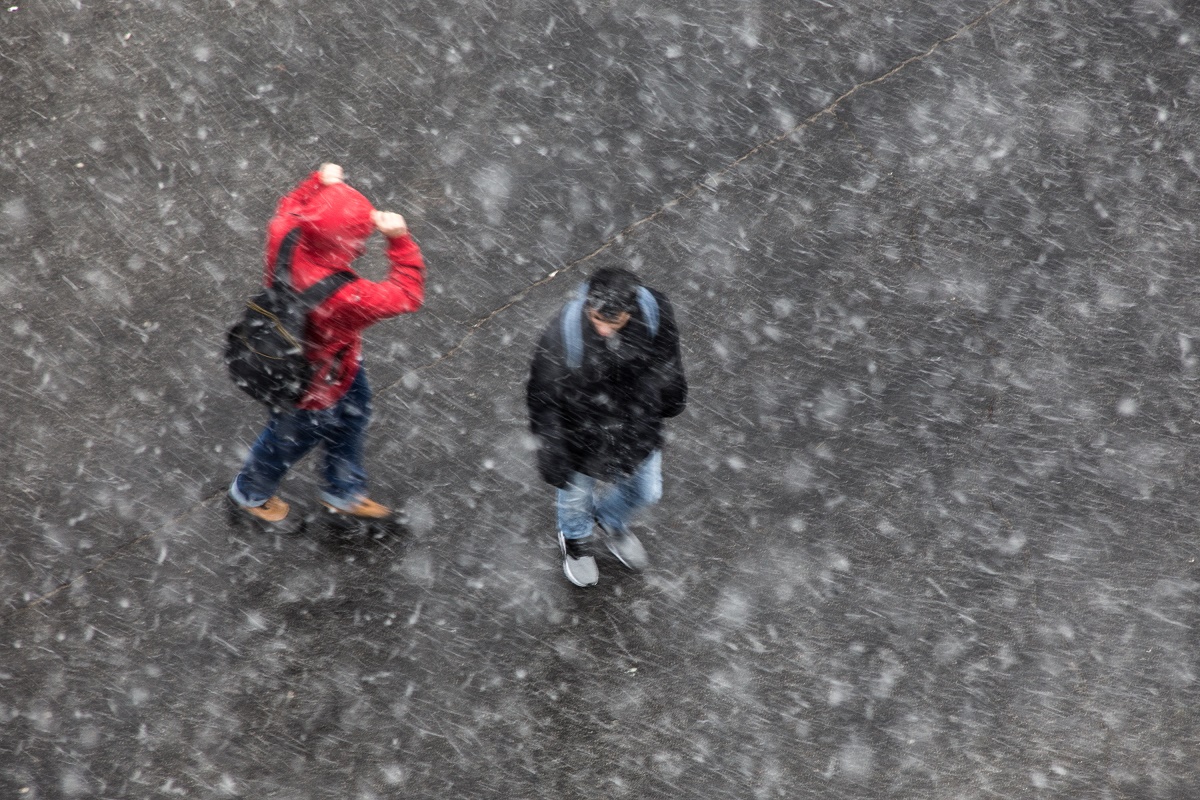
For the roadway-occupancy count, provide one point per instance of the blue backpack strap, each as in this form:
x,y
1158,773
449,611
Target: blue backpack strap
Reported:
x,y
572,332
649,308
572,322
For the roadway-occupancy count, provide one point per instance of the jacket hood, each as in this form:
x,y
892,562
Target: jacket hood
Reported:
x,y
336,222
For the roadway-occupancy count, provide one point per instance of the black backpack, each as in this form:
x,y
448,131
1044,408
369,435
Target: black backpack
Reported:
x,y
264,351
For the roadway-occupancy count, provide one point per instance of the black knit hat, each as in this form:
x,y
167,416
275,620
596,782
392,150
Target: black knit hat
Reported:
x,y
612,291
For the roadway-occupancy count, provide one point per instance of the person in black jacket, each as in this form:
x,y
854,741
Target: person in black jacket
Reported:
x,y
606,373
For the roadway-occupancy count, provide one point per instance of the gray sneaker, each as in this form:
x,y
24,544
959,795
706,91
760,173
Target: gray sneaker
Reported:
x,y
578,563
625,546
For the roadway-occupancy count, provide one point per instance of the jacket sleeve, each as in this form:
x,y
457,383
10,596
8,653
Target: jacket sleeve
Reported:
x,y
543,399
401,292
668,372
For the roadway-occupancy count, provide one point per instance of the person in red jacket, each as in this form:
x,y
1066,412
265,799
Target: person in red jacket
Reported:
x,y
335,222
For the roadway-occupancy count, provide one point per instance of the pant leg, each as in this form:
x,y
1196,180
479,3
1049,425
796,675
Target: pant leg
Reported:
x,y
576,506
345,440
641,489
284,441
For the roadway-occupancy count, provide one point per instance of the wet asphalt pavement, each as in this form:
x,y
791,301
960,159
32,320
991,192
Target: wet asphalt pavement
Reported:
x,y
928,528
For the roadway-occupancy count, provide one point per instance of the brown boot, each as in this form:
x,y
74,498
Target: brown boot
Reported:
x,y
363,508
274,510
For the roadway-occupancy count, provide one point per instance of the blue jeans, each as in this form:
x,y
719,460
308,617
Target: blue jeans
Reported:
x,y
579,507
289,436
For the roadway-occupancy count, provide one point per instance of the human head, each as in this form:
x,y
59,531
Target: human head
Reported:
x,y
337,220
611,299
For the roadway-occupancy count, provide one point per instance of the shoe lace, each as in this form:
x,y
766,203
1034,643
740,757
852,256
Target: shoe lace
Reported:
x,y
578,548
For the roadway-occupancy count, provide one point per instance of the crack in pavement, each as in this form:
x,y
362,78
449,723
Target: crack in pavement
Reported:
x,y
711,180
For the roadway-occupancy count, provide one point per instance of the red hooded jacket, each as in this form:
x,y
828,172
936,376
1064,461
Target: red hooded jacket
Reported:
x,y
335,222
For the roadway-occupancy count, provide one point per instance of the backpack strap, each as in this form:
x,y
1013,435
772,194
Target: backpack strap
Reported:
x,y
573,321
649,308
323,289
320,291
283,257
572,333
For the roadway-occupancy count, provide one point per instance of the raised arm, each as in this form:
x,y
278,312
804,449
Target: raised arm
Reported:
x,y
403,290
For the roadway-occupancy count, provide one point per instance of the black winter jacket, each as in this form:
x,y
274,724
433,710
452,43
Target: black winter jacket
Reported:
x,y
604,418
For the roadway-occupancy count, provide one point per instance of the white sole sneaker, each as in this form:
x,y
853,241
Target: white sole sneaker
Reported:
x,y
626,547
579,571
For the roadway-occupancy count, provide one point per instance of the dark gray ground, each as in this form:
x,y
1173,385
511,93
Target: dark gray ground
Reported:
x,y
928,529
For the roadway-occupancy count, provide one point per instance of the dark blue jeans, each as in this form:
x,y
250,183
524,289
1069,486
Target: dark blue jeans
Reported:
x,y
289,436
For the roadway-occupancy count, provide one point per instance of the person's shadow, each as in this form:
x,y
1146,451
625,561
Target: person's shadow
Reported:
x,y
348,536
341,535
